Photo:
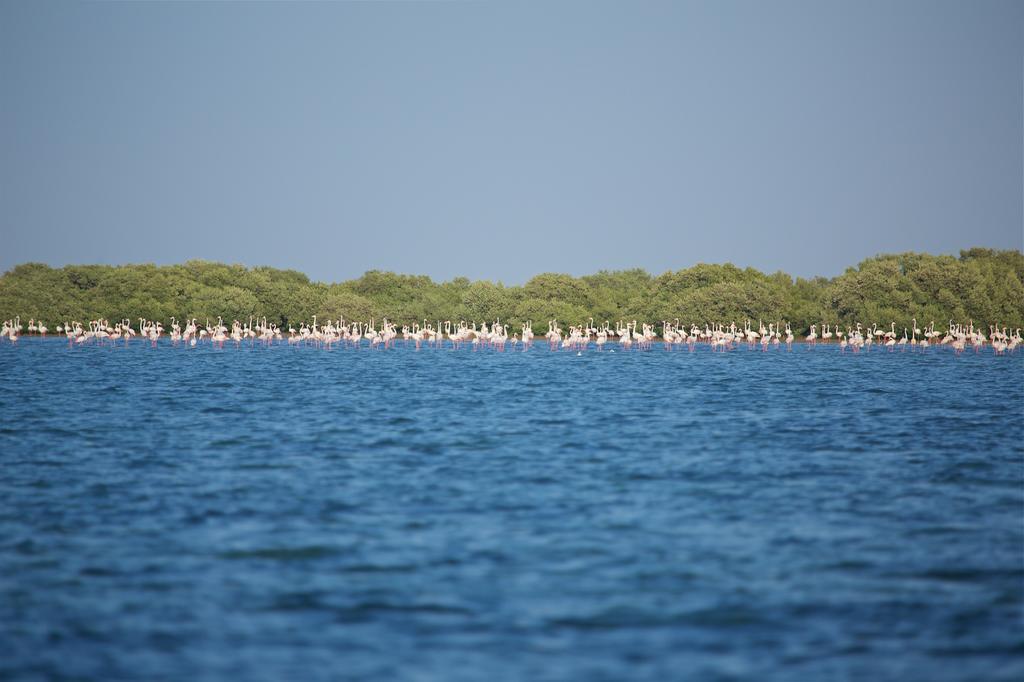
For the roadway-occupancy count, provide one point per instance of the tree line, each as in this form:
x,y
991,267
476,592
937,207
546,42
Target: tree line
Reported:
x,y
983,285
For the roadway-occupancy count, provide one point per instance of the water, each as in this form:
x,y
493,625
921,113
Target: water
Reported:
x,y
293,513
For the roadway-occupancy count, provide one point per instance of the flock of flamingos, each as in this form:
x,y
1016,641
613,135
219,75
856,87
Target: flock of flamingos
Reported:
x,y
625,335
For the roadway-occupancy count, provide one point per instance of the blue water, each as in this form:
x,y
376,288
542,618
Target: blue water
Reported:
x,y
296,513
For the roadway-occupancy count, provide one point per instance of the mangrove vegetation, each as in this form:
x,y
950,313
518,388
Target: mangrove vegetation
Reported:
x,y
980,284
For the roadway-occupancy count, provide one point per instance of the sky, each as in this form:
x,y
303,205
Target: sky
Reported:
x,y
501,140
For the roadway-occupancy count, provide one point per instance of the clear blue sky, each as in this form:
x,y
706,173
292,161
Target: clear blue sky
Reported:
x,y
502,140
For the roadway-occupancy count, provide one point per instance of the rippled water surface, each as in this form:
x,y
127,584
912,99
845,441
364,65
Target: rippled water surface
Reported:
x,y
296,513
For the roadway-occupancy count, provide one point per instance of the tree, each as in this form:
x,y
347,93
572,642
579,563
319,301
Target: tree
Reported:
x,y
983,285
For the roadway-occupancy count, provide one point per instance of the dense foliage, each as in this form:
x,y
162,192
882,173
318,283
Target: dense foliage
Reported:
x,y
982,284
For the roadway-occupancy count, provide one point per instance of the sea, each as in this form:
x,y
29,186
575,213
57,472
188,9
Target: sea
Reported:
x,y
294,512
